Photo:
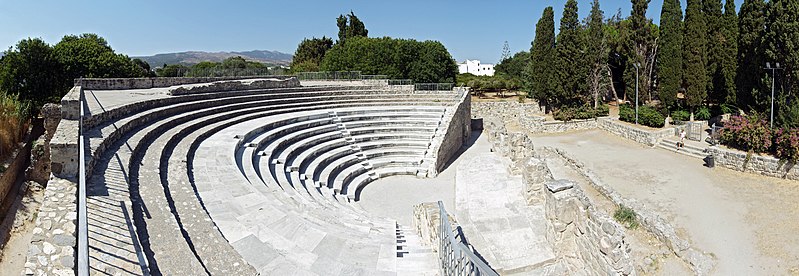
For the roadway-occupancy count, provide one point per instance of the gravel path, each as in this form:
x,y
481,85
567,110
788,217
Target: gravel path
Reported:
x,y
749,223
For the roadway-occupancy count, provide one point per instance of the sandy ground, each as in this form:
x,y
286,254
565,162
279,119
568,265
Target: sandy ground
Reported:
x,y
749,223
17,230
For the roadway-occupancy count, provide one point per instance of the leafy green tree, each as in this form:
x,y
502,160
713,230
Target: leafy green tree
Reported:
x,y
31,72
694,53
751,55
570,58
90,56
172,70
427,61
514,66
729,62
542,54
597,52
341,22
141,68
669,59
309,54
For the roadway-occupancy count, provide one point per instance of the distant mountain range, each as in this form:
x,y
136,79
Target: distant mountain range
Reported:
x,y
194,57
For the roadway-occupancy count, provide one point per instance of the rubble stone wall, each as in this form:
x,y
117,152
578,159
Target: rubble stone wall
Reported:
x,y
763,165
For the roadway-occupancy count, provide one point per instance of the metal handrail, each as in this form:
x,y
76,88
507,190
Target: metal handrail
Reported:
x,y
456,258
83,231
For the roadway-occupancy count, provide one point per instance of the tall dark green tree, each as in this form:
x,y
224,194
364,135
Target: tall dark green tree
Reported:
x,y
515,66
694,55
669,59
542,56
350,26
729,62
752,92
570,58
597,52
782,45
714,49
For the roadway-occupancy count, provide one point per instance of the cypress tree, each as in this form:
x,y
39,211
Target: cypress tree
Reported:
x,y
640,50
570,57
694,71
751,25
542,56
782,45
729,62
597,51
714,48
669,60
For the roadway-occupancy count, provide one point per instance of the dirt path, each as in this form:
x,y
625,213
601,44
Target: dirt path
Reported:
x,y
17,229
749,223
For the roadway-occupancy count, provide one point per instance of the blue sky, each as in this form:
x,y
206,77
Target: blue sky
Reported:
x,y
468,28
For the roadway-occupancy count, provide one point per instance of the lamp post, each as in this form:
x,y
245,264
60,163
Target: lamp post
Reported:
x,y
773,83
637,66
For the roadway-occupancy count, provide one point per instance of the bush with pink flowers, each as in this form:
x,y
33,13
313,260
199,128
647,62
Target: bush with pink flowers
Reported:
x,y
786,142
747,133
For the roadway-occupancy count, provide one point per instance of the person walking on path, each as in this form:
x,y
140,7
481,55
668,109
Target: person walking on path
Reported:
x,y
681,143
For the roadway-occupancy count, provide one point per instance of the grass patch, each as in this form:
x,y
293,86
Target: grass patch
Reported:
x,y
626,217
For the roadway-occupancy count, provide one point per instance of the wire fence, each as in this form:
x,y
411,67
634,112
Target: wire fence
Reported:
x,y
221,72
433,86
330,75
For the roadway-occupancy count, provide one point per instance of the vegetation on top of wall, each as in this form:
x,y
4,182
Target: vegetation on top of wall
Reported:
x,y
647,115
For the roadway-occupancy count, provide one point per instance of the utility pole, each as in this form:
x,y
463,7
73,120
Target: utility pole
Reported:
x,y
773,83
637,66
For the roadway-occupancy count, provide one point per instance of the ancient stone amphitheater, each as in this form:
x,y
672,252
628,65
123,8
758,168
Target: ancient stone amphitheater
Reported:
x,y
224,176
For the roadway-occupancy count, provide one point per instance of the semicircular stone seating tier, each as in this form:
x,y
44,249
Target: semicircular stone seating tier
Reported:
x,y
257,181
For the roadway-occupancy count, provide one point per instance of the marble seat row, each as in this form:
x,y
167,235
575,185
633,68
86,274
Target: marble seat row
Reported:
x,y
173,164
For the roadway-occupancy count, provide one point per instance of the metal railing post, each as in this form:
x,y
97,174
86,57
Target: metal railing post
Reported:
x,y
83,233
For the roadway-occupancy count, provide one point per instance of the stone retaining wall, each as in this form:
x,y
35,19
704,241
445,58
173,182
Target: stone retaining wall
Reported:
x,y
52,247
699,262
581,232
14,171
646,137
457,132
763,165
528,116
584,239
146,83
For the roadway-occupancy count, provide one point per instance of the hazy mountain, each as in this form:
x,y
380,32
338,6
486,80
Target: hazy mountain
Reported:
x,y
194,57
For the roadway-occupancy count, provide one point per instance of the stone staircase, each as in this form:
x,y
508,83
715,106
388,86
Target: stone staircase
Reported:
x,y
414,258
690,149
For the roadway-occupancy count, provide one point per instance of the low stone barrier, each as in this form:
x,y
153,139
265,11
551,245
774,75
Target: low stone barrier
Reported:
x,y
52,247
146,83
763,165
579,231
646,137
14,171
561,126
699,262
505,110
235,85
525,115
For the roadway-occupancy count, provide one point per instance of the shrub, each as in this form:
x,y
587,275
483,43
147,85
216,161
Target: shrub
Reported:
x,y
13,123
680,115
626,217
647,116
602,110
627,113
579,113
786,143
747,133
703,114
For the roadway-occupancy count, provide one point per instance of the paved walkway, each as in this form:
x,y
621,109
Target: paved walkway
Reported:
x,y
749,223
